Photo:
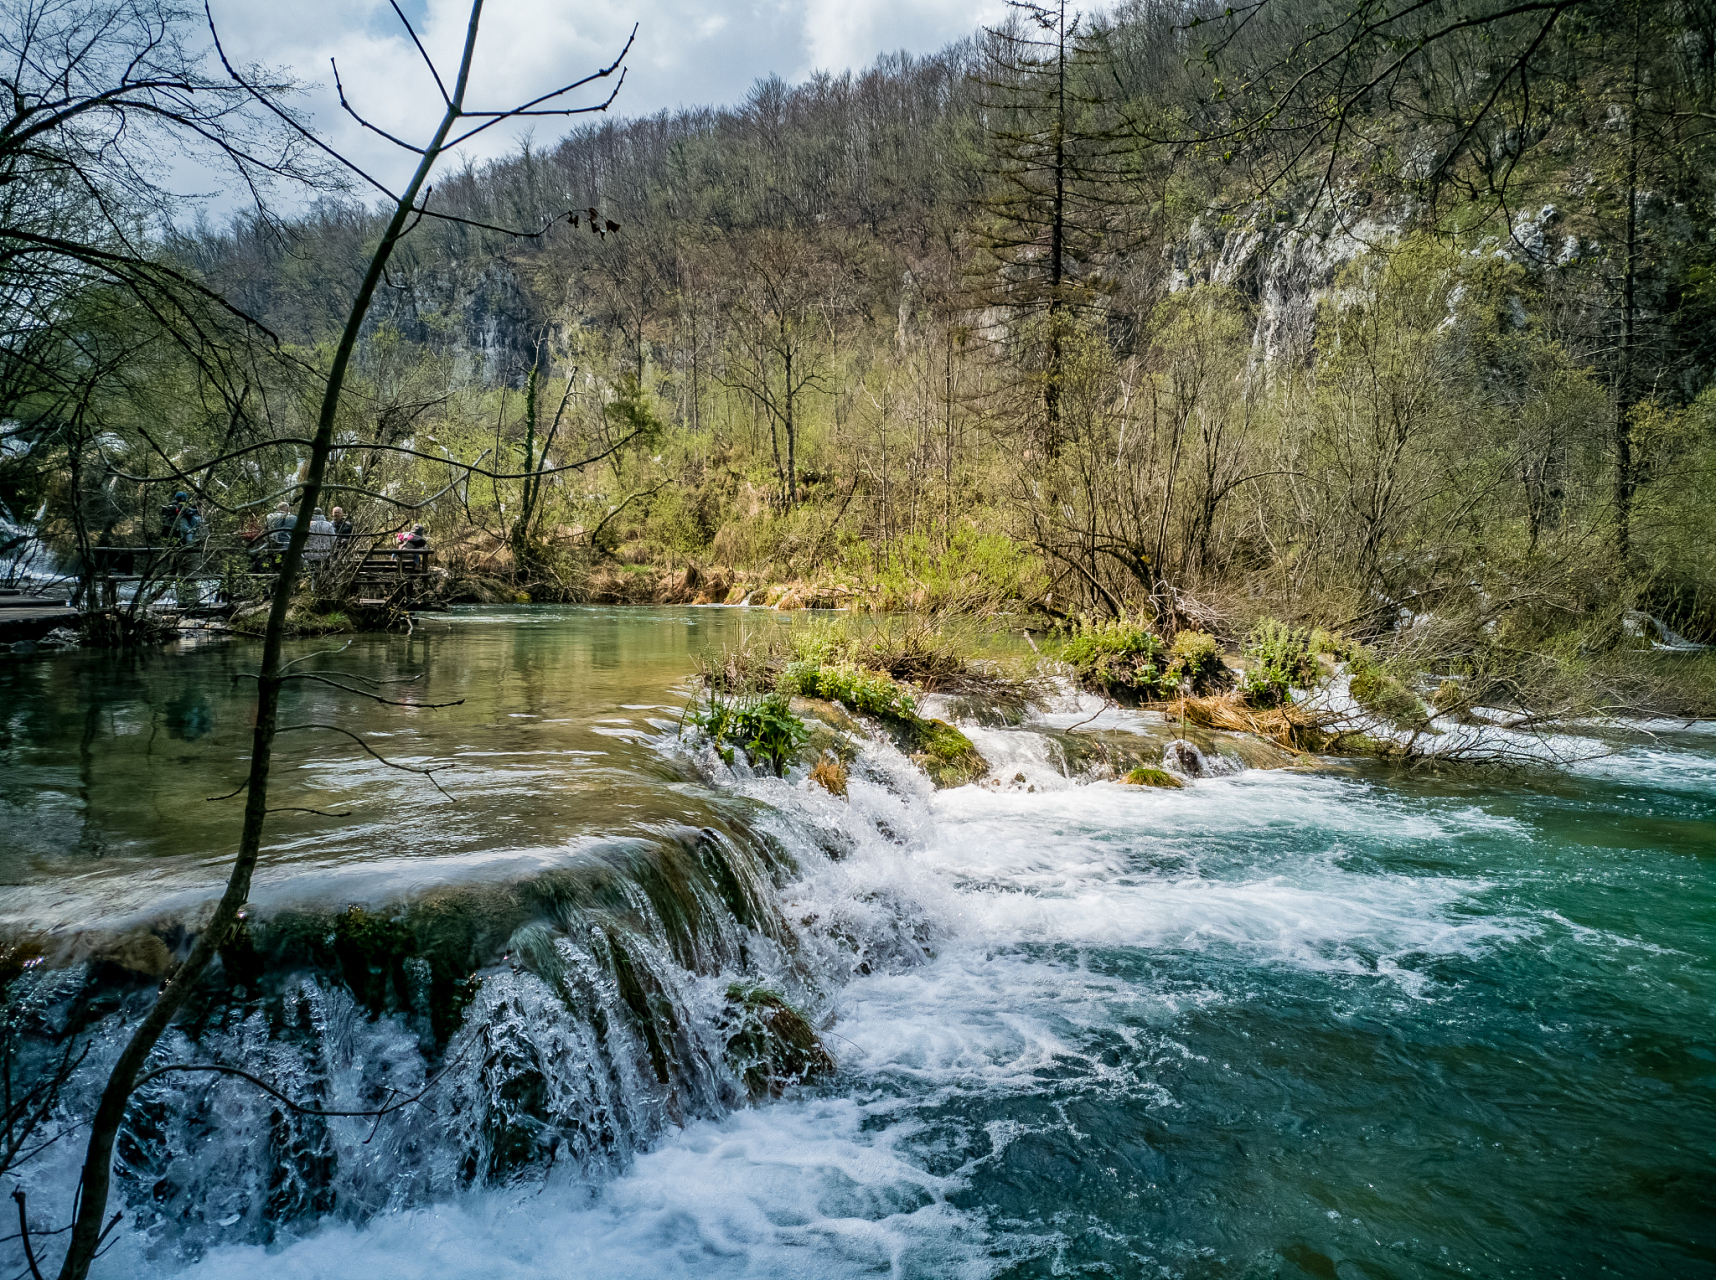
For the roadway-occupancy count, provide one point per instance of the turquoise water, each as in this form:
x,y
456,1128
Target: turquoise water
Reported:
x,y
1280,1023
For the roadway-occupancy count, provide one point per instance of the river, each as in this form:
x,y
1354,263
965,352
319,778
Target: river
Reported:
x,y
1346,1022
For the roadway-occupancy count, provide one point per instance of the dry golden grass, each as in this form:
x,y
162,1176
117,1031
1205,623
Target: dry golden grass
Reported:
x,y
1295,728
830,773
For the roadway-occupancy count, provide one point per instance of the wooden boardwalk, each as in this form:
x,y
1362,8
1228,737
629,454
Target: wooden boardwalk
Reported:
x,y
30,617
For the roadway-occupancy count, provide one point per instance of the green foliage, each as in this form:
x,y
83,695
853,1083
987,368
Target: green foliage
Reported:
x,y
765,728
1281,660
1332,643
1145,776
632,413
1379,692
974,568
868,691
1123,657
1195,658
1118,657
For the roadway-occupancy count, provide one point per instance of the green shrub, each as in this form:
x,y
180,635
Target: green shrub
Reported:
x,y
1195,658
974,570
1118,656
1384,696
1281,662
765,728
870,692
1332,643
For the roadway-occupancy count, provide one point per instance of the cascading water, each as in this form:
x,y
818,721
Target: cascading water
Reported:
x,y
1277,1022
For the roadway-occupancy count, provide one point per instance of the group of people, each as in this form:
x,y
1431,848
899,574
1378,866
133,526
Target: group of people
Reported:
x,y
182,524
328,534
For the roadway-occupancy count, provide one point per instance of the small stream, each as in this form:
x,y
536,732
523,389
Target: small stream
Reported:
x,y
1294,1022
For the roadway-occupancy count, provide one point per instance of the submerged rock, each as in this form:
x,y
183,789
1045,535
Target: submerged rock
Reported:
x,y
771,1045
1184,757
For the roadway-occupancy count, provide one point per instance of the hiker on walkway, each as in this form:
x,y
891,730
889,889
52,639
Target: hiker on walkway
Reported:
x,y
277,533
416,541
320,544
181,522
342,528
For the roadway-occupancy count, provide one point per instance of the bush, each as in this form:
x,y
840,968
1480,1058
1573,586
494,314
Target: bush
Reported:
x,y
1124,657
1195,659
868,691
1118,657
765,727
975,571
1381,694
1282,661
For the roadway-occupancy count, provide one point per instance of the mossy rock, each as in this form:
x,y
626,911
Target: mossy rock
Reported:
x,y
825,712
1145,776
945,753
771,1045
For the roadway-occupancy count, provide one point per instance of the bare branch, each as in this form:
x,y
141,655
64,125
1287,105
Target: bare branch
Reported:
x,y
391,764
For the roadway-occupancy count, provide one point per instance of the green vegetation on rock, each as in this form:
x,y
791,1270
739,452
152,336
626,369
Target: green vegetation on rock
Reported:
x,y
1145,776
1282,661
1124,658
771,1045
944,753
763,727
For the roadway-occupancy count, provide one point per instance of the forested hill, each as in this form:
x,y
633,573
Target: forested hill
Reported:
x,y
877,172
1342,315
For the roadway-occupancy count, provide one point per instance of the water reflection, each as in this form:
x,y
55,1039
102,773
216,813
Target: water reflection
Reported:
x,y
109,759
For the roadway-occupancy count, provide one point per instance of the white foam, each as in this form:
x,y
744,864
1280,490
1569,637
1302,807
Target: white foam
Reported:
x,y
797,1189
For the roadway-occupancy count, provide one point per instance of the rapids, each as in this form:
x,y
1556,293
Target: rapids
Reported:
x,y
1342,1022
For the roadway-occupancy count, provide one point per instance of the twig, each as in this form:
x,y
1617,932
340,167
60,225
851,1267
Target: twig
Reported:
x,y
403,768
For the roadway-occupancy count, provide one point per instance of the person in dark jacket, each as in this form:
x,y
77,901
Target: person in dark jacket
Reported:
x,y
181,522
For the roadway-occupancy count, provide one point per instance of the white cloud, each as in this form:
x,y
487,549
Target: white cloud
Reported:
x,y
687,53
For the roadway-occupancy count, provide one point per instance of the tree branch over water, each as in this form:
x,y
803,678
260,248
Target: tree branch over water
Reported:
x,y
271,677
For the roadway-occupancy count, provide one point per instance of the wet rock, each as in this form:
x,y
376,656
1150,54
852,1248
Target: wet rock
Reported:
x,y
141,952
770,1045
944,753
1184,757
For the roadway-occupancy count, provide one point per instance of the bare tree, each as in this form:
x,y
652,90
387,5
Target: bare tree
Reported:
x,y
458,123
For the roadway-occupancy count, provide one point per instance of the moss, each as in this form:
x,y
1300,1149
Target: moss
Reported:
x,y
945,753
1144,776
771,1045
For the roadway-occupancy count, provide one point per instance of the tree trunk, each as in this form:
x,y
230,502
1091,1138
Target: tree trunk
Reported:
x,y
1624,392
110,1114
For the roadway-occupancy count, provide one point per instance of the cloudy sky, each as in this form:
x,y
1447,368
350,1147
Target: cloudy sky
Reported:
x,y
687,53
